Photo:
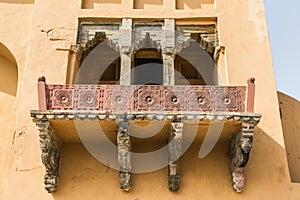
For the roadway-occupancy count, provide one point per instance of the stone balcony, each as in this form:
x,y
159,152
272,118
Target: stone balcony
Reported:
x,y
175,107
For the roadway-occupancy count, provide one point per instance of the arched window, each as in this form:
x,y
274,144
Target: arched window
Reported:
x,y
194,66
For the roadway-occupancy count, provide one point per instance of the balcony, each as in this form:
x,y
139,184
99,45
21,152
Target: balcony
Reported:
x,y
177,108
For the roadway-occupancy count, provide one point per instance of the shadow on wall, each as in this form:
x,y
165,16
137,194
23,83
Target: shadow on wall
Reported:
x,y
8,72
18,1
90,4
83,176
290,119
192,4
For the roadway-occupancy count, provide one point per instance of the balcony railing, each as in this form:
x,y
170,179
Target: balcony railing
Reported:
x,y
137,98
98,102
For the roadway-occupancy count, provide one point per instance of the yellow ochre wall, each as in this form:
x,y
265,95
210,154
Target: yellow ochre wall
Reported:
x,y
39,35
289,110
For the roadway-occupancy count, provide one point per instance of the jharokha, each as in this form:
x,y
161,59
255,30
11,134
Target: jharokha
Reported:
x,y
139,99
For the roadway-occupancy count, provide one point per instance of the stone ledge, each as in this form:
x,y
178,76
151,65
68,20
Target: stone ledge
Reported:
x,y
103,115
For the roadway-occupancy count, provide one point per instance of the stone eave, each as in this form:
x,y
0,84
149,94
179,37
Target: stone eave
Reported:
x,y
105,115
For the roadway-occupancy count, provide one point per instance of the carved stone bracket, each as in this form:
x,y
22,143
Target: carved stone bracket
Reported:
x,y
239,151
175,151
124,158
239,147
51,150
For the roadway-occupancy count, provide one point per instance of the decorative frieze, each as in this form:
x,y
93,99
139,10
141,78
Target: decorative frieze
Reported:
x,y
135,98
51,150
160,116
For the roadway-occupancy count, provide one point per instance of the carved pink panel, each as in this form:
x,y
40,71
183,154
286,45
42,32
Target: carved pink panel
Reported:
x,y
118,98
175,98
89,97
235,99
61,97
146,98
200,98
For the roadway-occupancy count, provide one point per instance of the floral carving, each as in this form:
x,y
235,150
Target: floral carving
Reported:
x,y
200,99
62,99
146,98
175,99
118,98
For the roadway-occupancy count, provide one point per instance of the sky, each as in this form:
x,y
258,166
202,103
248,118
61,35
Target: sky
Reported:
x,y
284,30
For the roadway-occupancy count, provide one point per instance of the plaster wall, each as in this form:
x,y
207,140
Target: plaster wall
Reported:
x,y
39,35
289,109
190,4
8,89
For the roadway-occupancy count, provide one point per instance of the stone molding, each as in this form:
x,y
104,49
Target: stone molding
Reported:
x,y
160,116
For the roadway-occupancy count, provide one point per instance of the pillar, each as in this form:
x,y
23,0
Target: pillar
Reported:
x,y
168,51
125,47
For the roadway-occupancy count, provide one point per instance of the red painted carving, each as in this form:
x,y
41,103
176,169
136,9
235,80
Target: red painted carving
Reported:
x,y
118,98
235,98
146,98
61,97
175,98
88,97
200,98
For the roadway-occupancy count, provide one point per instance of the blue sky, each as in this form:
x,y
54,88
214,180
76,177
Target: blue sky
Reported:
x,y
284,30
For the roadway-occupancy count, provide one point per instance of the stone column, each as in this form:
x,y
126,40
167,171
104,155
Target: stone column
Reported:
x,y
50,154
124,158
168,51
239,151
125,47
175,151
169,73
123,137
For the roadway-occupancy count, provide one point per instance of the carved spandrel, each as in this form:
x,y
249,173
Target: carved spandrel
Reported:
x,y
239,151
124,157
175,151
51,150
